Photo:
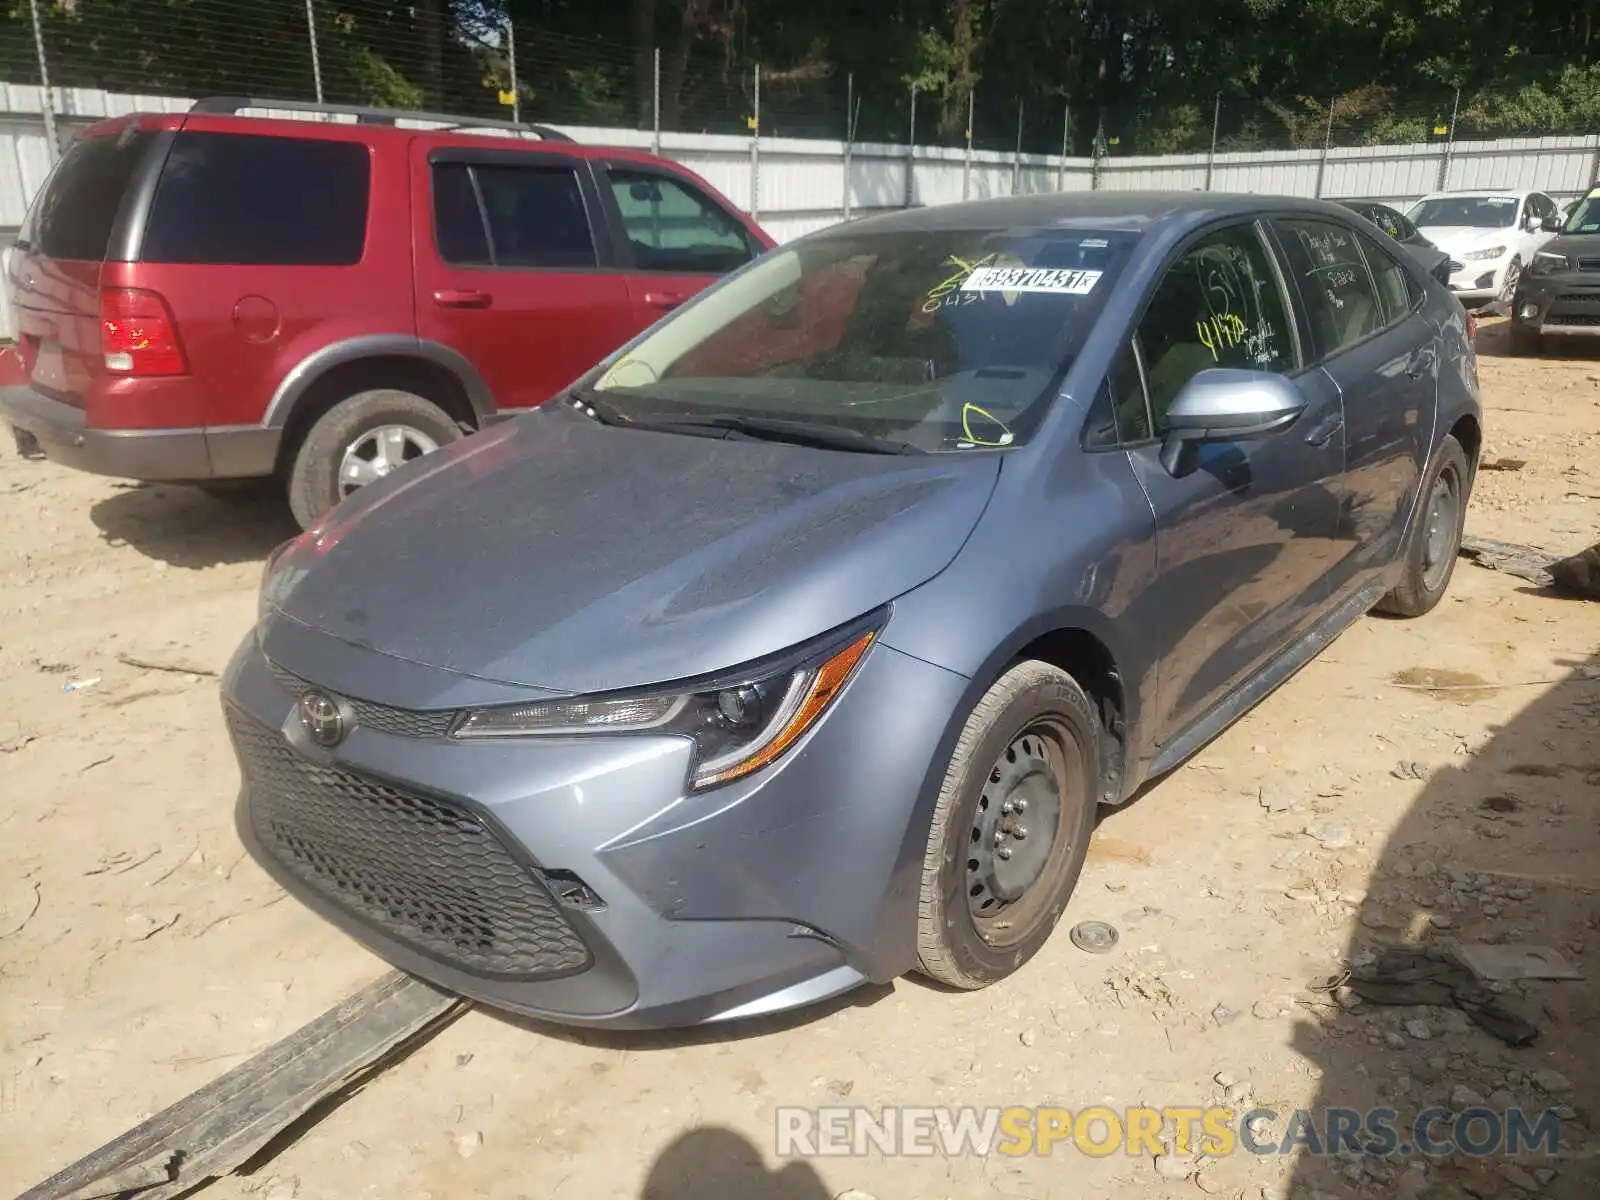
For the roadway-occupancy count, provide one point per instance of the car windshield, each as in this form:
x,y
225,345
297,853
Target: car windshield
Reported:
x,y
943,340
1586,217
1482,212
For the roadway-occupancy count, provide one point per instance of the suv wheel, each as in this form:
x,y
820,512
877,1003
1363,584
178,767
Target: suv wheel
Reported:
x,y
1525,340
359,441
1010,828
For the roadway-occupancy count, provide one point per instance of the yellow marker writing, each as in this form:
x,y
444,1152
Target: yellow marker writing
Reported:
x,y
967,411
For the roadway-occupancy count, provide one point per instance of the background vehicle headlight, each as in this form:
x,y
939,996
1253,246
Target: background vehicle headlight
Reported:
x,y
738,723
1545,263
1484,255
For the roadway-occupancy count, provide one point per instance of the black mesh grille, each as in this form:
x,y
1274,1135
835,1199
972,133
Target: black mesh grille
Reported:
x,y
425,872
1578,298
401,722
1588,320
1589,264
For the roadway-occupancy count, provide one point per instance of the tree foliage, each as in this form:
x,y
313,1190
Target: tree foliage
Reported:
x,y
1145,75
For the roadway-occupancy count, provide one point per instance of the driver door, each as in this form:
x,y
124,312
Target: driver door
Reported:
x,y
675,239
1245,540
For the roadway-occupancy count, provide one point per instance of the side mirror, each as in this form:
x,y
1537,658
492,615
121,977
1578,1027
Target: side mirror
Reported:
x,y
1552,224
1221,404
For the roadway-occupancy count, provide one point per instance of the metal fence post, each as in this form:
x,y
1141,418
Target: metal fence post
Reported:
x,y
1066,142
1016,155
1449,143
511,56
911,153
1327,140
655,105
755,151
47,102
1211,158
316,54
966,172
849,135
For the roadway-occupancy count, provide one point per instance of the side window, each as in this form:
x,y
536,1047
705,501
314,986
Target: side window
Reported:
x,y
672,227
536,217
1341,300
1120,413
1386,220
1391,280
1406,230
1219,305
457,221
248,198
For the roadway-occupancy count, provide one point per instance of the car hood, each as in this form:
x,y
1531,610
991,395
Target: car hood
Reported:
x,y
1454,239
1575,245
557,553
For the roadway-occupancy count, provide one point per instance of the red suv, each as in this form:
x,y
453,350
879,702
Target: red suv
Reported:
x,y
209,297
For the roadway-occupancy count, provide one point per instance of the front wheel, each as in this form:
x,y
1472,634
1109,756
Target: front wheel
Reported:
x,y
1525,340
359,441
1010,828
1430,555
1508,289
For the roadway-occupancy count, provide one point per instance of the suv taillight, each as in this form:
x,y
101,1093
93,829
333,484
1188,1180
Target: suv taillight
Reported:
x,y
137,333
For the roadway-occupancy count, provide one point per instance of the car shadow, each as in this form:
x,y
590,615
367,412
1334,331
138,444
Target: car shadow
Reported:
x,y
1503,849
711,1161
1494,341
186,527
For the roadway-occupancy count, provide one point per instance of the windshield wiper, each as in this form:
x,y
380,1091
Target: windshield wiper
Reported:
x,y
776,429
601,410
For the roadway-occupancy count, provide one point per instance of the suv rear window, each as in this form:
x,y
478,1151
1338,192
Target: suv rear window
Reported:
x,y
268,201
75,212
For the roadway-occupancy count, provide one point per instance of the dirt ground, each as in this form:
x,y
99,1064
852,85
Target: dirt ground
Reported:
x,y
1448,770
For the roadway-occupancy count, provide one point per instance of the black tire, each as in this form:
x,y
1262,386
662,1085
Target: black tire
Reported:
x,y
314,483
1429,558
1525,340
1032,700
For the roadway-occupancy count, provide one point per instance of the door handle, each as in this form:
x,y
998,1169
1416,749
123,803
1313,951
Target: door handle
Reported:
x,y
1322,433
1421,363
666,301
455,298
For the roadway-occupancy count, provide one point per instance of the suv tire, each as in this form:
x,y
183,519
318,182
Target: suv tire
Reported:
x,y
1525,340
1029,752
317,475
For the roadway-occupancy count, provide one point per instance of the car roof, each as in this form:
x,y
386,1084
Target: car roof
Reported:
x,y
1110,211
367,134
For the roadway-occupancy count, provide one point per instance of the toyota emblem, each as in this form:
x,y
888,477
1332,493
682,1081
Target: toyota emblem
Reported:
x,y
323,718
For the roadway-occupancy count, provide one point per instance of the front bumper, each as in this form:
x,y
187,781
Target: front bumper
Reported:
x,y
1567,304
1477,280
172,455
571,879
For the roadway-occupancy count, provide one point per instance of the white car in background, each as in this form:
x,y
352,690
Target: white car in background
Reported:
x,y
1490,236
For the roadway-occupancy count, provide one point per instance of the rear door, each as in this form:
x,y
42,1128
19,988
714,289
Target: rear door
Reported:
x,y
60,249
515,267
1370,338
673,237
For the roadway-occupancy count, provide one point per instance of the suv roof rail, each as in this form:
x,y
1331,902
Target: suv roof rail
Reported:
x,y
228,105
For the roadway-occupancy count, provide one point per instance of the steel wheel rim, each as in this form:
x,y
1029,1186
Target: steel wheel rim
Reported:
x,y
377,452
1004,871
1442,529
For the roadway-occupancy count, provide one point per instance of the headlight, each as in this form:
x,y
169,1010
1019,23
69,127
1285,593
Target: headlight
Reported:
x,y
739,722
1545,263
1484,255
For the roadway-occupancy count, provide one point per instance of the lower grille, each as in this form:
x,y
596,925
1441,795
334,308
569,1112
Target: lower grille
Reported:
x,y
1585,320
1589,264
1579,298
425,872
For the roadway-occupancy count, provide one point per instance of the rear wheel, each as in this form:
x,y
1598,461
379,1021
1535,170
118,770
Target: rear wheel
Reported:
x,y
1010,827
1430,557
359,441
1508,288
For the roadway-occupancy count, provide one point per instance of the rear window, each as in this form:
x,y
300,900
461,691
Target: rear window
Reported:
x,y
78,206
268,201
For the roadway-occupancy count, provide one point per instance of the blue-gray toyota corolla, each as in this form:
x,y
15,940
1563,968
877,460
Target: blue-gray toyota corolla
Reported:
x,y
798,645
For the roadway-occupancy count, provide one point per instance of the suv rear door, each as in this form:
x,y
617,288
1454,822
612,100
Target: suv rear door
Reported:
x,y
674,237
60,249
514,266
